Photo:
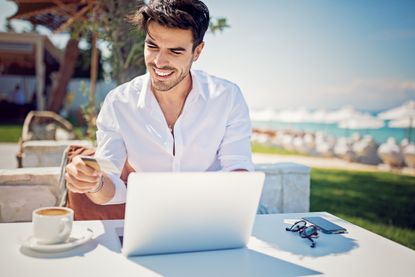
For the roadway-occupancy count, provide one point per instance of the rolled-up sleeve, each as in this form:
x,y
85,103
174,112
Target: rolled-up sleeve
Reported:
x,y
111,146
235,149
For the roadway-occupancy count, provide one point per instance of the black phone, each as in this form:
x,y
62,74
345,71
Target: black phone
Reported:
x,y
325,225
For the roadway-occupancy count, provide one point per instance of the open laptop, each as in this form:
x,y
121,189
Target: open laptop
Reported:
x,y
184,212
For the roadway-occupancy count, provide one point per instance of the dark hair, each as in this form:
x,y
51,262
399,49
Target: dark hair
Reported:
x,y
182,14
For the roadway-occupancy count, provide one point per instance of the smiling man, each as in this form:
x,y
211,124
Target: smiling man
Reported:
x,y
172,118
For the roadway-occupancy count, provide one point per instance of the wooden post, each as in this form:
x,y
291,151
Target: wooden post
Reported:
x,y
66,69
40,75
94,69
92,113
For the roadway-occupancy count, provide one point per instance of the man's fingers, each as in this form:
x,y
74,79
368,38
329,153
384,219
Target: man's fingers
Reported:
x,y
83,167
77,186
76,173
72,188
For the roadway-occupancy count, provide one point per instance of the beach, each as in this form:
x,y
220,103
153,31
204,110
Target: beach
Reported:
x,y
380,135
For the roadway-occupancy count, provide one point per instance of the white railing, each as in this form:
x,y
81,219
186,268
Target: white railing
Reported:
x,y
286,189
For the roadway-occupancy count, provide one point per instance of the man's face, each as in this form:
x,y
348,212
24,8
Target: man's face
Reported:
x,y
168,55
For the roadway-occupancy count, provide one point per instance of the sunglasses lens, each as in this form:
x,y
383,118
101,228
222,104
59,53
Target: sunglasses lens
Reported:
x,y
309,231
297,226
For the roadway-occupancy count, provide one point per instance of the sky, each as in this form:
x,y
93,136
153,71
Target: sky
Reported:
x,y
310,53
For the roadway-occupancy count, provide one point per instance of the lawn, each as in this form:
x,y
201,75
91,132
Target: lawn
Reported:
x,y
266,149
12,132
380,202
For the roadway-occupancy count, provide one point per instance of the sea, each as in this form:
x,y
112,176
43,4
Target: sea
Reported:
x,y
379,135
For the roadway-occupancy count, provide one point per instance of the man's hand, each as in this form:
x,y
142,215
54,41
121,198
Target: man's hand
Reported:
x,y
80,177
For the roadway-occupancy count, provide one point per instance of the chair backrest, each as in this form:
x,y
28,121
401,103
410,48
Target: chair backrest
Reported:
x,y
42,125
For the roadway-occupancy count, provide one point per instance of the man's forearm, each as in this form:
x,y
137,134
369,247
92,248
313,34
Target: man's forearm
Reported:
x,y
105,194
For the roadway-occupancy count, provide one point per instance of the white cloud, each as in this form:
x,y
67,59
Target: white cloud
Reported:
x,y
369,93
361,93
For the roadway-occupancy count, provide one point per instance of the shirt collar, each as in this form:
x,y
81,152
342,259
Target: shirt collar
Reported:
x,y
197,88
146,94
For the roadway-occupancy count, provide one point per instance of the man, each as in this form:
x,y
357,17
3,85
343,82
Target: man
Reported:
x,y
172,118
19,99
19,96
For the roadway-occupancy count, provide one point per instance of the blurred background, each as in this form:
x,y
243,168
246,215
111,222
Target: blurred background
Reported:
x,y
330,84
297,62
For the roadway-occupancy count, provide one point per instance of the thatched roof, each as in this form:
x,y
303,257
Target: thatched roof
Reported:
x,y
53,14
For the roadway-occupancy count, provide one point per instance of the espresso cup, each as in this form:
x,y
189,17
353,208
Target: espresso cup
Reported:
x,y
52,224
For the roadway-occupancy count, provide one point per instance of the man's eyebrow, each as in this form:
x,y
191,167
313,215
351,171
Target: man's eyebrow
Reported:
x,y
178,49
149,41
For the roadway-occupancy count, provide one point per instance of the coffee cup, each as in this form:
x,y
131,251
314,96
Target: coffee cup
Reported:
x,y
52,224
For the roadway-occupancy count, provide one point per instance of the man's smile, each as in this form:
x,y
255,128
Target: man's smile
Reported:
x,y
163,73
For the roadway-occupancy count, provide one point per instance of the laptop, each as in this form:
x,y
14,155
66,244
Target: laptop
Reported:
x,y
173,212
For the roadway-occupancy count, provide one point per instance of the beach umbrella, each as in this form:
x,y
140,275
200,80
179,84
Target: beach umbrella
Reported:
x,y
405,122
264,115
405,110
297,115
362,121
342,114
401,117
319,116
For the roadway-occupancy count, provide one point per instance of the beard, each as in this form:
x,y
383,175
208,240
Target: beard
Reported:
x,y
166,85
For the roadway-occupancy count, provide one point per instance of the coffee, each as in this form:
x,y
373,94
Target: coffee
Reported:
x,y
52,224
52,211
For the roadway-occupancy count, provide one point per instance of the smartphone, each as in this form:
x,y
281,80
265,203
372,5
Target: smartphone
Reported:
x,y
325,226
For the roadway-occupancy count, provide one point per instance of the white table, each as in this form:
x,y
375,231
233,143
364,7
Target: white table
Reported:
x,y
272,251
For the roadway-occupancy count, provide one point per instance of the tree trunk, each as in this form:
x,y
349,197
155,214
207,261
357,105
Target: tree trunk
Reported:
x,y
93,69
66,70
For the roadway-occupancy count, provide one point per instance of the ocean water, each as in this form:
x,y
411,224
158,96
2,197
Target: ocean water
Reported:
x,y
379,135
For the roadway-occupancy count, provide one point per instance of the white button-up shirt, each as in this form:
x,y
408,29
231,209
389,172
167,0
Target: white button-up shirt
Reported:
x,y
211,134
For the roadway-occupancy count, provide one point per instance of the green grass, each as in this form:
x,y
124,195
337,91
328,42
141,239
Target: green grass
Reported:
x,y
383,203
266,149
10,132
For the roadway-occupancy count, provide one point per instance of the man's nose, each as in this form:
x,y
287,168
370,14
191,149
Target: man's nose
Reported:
x,y
161,59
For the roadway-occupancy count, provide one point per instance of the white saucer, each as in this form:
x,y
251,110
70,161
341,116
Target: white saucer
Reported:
x,y
78,236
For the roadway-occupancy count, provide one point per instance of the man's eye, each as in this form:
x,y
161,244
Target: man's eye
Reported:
x,y
176,52
151,46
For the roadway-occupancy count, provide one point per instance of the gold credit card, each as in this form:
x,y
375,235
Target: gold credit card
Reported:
x,y
100,164
91,162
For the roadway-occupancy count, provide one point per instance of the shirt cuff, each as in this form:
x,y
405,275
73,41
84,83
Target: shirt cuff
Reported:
x,y
237,164
120,190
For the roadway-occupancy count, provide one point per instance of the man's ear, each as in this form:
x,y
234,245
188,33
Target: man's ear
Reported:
x,y
198,51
